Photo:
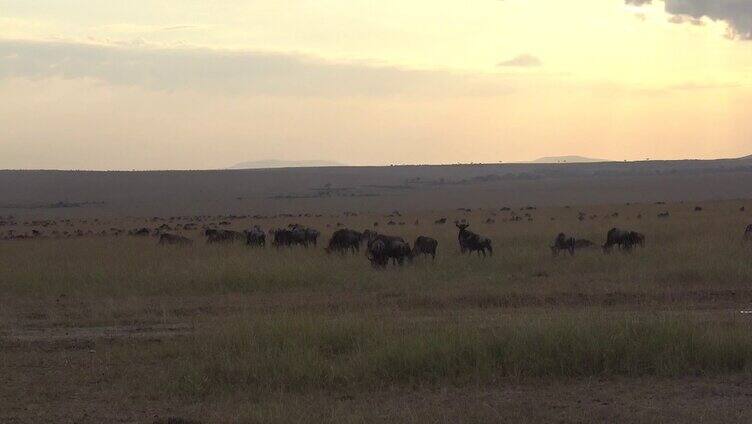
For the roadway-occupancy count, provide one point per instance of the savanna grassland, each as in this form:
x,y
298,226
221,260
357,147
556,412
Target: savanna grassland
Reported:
x,y
119,329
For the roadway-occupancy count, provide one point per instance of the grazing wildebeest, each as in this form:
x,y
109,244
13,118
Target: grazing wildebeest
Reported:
x,y
284,237
381,248
425,246
143,232
222,236
562,242
255,237
345,240
626,240
471,242
663,215
748,232
309,235
174,239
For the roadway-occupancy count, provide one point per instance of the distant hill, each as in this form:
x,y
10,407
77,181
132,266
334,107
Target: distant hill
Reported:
x,y
273,163
567,159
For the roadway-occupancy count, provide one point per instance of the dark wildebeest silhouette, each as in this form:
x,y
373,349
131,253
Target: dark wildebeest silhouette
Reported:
x,y
173,239
283,237
255,237
626,240
142,232
471,242
663,215
222,236
562,242
308,235
425,246
382,248
345,240
748,232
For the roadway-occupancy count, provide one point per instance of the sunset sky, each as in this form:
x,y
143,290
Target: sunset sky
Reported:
x,y
188,84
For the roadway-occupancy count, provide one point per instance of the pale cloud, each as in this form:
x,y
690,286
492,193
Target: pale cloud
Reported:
x,y
255,73
523,60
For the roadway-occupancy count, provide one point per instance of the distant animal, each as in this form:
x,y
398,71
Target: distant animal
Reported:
x,y
141,232
285,237
425,246
382,248
174,239
663,215
310,235
471,242
562,242
222,236
255,237
441,221
345,240
748,232
626,240
698,208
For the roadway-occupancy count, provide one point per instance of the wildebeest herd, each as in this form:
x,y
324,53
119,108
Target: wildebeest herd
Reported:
x,y
380,249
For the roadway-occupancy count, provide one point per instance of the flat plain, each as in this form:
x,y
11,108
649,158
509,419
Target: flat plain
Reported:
x,y
100,326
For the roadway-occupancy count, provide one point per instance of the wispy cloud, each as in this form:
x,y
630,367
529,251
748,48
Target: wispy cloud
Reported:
x,y
523,60
260,73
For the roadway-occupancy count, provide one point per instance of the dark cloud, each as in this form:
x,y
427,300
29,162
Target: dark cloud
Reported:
x,y
523,60
737,13
251,73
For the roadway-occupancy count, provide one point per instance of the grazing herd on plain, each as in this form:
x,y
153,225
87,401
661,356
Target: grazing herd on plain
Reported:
x,y
380,249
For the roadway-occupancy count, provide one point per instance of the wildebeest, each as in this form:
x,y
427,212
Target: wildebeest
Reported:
x,y
309,235
344,240
382,248
174,239
562,242
471,242
255,237
441,221
284,237
748,232
626,240
140,232
663,215
425,246
222,236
